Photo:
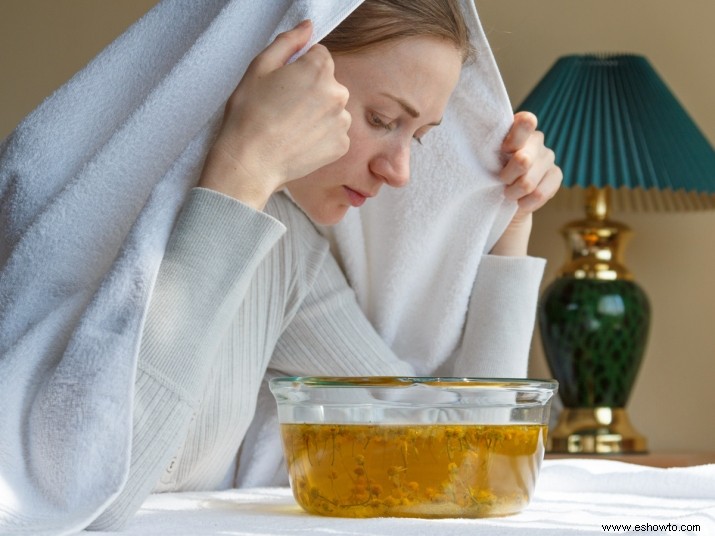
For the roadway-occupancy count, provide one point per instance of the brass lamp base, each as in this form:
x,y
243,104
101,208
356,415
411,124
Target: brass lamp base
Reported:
x,y
599,430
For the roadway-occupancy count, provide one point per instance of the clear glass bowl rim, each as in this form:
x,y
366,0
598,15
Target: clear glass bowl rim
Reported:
x,y
401,382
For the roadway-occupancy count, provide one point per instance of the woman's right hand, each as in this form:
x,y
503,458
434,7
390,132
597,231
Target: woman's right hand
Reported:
x,y
282,122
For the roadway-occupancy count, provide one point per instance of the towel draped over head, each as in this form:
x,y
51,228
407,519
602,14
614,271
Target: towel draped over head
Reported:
x,y
411,254
93,179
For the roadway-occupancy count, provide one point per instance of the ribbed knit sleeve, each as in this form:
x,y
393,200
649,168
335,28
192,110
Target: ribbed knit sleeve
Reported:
x,y
210,259
500,320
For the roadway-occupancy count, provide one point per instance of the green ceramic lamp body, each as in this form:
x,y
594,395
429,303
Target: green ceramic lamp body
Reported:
x,y
594,335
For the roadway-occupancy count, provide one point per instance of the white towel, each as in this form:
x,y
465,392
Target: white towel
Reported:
x,y
90,184
412,254
572,497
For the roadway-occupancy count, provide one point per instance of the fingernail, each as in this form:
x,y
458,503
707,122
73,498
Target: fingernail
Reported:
x,y
304,23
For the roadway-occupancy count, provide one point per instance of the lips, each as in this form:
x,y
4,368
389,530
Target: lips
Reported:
x,y
356,198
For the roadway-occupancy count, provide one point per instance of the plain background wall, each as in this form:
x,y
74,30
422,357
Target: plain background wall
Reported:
x,y
43,42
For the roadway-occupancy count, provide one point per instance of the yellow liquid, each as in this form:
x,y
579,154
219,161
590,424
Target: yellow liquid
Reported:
x,y
437,470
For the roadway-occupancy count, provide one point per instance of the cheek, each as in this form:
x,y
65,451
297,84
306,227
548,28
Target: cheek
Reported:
x,y
361,139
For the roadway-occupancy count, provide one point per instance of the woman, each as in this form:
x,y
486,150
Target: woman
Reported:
x,y
247,280
358,142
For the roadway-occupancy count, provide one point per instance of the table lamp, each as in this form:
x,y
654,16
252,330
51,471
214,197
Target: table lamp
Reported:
x,y
618,134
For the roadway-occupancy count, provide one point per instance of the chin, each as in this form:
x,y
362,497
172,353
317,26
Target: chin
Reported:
x,y
328,217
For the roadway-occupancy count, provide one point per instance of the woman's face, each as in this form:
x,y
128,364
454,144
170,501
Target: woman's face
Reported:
x,y
398,92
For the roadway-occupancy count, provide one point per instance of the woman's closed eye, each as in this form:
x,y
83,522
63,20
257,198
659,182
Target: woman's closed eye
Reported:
x,y
376,121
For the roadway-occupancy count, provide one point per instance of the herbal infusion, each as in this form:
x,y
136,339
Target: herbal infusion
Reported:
x,y
368,470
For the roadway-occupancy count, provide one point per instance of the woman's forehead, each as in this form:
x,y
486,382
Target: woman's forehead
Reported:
x,y
411,66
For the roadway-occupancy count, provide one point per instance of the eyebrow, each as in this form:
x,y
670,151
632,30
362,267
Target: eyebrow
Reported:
x,y
407,107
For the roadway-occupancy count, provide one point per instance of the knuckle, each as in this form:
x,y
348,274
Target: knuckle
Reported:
x,y
539,197
528,185
347,119
283,36
333,96
282,40
320,50
559,173
550,156
319,58
522,160
345,144
343,94
340,145
525,189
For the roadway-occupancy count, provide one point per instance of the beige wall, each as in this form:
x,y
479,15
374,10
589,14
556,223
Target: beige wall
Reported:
x,y
43,42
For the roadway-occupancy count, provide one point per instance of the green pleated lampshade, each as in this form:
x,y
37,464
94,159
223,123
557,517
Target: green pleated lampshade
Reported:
x,y
613,122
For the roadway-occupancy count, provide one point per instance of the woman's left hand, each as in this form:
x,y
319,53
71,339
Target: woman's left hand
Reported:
x,y
531,178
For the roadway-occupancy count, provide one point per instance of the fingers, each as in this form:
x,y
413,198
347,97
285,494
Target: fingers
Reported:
x,y
531,171
285,122
530,174
545,190
282,122
531,158
318,111
283,47
524,126
319,61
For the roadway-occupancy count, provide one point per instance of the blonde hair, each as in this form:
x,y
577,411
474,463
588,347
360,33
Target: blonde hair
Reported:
x,y
378,21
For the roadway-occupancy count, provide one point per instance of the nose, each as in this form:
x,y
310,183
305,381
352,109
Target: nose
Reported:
x,y
393,165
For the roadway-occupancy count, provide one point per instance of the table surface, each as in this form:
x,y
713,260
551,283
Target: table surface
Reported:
x,y
575,495
651,459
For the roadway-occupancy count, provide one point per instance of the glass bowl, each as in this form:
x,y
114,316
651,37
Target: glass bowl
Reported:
x,y
413,447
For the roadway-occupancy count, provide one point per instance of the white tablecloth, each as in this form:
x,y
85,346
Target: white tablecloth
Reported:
x,y
572,497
